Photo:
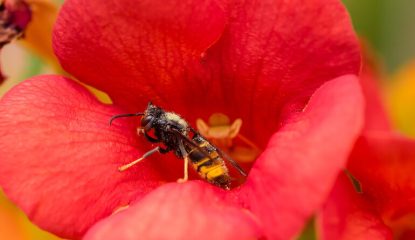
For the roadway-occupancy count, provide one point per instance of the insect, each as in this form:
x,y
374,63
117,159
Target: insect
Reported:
x,y
174,134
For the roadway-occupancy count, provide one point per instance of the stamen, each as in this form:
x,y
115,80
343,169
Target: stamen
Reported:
x,y
227,137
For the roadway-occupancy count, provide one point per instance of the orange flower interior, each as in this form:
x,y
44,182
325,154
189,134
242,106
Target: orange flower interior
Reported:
x,y
226,135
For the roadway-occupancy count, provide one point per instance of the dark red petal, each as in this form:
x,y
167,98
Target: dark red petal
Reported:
x,y
193,210
136,50
384,164
294,175
59,156
275,53
348,215
376,117
249,59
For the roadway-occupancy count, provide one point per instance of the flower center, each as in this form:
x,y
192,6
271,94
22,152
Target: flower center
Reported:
x,y
226,136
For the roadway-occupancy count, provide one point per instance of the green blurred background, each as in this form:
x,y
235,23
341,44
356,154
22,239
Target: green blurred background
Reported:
x,y
389,25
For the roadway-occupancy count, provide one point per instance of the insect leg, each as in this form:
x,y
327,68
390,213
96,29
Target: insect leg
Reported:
x,y
142,131
186,163
150,139
145,155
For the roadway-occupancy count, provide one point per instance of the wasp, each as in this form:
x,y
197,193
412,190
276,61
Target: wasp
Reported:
x,y
173,134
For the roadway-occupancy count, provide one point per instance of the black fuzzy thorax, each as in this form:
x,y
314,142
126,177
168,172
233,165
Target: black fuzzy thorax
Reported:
x,y
165,129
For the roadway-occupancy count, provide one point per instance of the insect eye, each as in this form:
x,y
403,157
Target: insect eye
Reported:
x,y
146,120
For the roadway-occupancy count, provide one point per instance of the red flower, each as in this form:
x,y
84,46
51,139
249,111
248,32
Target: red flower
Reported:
x,y
14,17
279,66
382,163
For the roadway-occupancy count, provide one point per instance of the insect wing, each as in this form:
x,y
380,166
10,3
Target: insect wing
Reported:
x,y
188,142
232,162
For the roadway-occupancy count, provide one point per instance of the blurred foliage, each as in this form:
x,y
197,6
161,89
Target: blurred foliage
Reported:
x,y
389,26
37,36
14,225
400,93
309,231
32,55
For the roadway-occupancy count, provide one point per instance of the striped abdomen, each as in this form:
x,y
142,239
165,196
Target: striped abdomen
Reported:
x,y
209,164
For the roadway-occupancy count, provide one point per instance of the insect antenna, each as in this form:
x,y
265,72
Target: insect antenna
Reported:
x,y
125,115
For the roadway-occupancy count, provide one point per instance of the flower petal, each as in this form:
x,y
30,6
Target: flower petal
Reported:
x,y
248,59
274,54
193,210
384,162
293,176
348,215
59,156
136,50
376,117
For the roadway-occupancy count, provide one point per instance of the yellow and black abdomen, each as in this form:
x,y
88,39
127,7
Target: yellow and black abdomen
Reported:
x,y
209,164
